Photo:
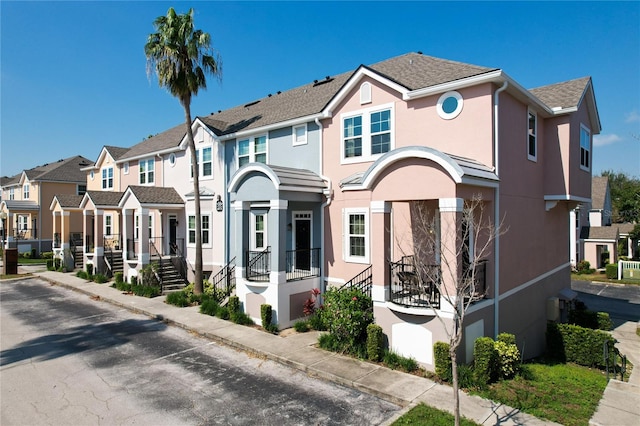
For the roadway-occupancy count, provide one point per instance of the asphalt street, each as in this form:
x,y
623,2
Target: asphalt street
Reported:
x,y
67,359
622,302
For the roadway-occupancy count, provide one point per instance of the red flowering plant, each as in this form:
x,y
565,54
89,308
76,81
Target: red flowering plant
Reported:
x,y
310,305
347,313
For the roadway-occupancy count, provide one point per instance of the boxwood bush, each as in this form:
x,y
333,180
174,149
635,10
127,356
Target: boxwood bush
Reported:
x,y
443,361
580,345
375,342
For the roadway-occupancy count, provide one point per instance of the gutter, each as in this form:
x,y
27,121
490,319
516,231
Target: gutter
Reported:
x,y
496,211
328,193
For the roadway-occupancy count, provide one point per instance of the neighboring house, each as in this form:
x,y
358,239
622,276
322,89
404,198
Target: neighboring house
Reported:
x,y
26,197
315,187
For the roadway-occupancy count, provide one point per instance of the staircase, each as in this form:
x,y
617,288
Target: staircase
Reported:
x,y
114,261
170,278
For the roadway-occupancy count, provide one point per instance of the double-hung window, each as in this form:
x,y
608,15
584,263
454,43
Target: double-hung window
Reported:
x,y
532,138
252,150
147,168
205,225
300,135
107,178
12,193
108,224
367,134
258,230
585,148
356,231
25,191
205,162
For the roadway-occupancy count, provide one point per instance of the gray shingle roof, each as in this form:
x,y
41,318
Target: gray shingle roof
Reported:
x,y
156,195
599,185
412,70
116,151
105,198
66,170
599,233
162,141
566,94
68,200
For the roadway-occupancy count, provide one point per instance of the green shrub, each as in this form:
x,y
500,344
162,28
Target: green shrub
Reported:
x,y
583,317
146,290
604,321
241,318
119,277
148,275
466,377
233,305
177,298
328,342
508,338
223,312
485,361
50,266
25,255
34,253
316,321
301,326
134,280
580,345
612,271
375,342
100,278
508,357
82,274
266,315
584,267
209,306
399,362
47,255
347,313
443,361
89,270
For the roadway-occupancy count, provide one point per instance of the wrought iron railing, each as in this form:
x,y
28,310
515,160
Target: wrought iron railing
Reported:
x,y
180,262
413,288
611,354
258,265
363,281
113,242
225,278
303,264
25,234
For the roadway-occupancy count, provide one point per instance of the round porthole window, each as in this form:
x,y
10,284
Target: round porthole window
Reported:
x,y
450,105
172,159
91,174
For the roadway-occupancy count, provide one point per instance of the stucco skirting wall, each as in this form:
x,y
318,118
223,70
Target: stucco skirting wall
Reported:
x,y
524,312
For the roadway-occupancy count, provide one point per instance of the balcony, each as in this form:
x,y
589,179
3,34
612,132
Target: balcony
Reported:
x,y
410,289
300,264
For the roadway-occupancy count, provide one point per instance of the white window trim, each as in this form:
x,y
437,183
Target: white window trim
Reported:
x,y
366,133
25,191
172,159
305,141
365,93
301,215
12,193
210,230
535,136
199,154
449,115
150,226
108,216
252,148
125,168
345,229
590,150
147,171
252,229
102,179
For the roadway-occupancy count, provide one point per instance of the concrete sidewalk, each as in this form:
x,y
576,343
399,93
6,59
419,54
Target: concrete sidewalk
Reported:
x,y
298,351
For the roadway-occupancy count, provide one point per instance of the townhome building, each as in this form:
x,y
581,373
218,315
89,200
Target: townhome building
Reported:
x,y
318,186
26,222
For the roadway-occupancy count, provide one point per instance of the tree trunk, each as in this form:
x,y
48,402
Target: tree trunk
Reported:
x,y
198,287
456,390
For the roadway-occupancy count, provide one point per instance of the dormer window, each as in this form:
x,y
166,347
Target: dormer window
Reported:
x,y
25,191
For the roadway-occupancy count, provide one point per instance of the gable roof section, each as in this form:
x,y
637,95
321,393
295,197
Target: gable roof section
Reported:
x,y
599,189
153,195
67,201
102,198
18,205
167,141
65,170
599,233
116,152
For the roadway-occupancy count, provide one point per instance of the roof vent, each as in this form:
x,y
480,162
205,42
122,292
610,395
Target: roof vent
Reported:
x,y
419,52
269,95
252,103
219,111
326,80
278,92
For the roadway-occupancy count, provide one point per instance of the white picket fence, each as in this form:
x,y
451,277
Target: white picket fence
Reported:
x,y
630,266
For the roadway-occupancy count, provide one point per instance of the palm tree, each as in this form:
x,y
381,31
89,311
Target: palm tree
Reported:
x,y
181,56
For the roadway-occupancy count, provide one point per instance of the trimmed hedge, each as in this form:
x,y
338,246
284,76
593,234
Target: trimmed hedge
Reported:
x,y
580,345
485,361
443,361
611,270
375,342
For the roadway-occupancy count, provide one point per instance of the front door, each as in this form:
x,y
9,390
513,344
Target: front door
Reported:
x,y
302,241
173,225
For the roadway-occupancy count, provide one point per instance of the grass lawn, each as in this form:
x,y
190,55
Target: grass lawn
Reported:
x,y
25,261
596,276
563,393
424,415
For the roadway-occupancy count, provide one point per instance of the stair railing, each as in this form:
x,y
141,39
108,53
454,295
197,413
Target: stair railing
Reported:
x,y
159,276
225,278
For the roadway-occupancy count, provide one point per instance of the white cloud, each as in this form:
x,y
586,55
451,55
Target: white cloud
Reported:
x,y
632,117
602,140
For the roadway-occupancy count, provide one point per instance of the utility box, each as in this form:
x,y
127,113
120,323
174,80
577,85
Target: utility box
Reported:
x,y
10,261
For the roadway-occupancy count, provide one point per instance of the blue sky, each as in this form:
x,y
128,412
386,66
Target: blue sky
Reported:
x,y
74,73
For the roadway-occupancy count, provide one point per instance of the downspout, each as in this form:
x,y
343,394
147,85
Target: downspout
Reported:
x,y
496,213
328,193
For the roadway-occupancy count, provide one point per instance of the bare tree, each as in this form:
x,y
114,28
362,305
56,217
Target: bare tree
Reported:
x,y
449,259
